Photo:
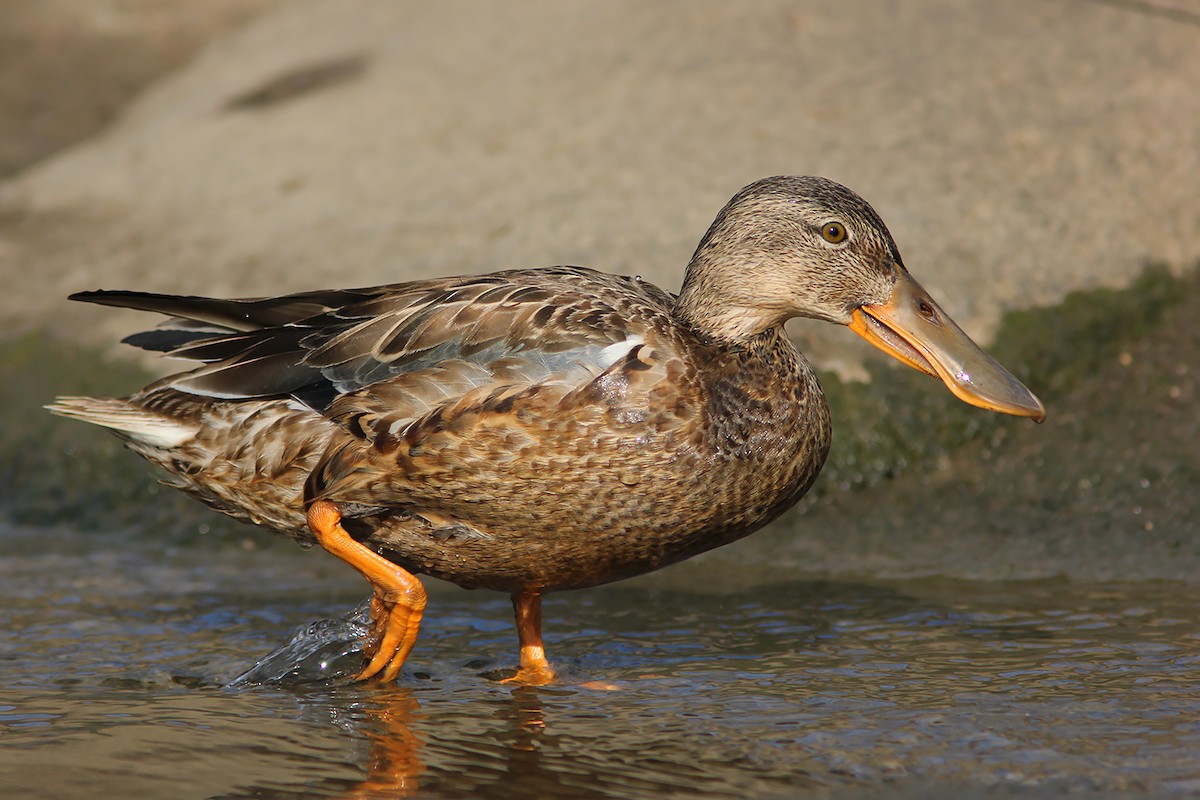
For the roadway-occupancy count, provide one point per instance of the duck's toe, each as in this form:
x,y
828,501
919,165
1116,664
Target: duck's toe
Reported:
x,y
394,627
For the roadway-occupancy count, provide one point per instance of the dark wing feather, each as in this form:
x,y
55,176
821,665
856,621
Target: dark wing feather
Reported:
x,y
314,346
236,315
166,340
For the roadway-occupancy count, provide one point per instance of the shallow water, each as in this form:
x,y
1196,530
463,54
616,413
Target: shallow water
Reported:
x,y
702,681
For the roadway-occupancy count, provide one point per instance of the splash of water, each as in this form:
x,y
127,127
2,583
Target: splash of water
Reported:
x,y
321,651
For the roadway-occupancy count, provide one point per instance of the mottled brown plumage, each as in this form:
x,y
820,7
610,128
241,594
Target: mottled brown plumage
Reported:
x,y
537,430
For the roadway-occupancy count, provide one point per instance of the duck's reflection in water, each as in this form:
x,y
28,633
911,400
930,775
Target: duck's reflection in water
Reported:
x,y
526,723
400,748
393,764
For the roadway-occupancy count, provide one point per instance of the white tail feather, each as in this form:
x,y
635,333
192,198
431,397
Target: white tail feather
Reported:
x,y
138,424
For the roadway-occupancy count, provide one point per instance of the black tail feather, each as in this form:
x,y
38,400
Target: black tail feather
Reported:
x,y
247,314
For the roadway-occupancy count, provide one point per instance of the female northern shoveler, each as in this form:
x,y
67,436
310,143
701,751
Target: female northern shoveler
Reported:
x,y
535,430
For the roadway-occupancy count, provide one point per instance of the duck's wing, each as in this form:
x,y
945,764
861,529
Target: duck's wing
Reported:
x,y
521,326
490,397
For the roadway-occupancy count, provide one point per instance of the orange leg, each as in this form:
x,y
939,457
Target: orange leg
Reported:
x,y
399,599
535,669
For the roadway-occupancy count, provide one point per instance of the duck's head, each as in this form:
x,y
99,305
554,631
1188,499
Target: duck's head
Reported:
x,y
809,247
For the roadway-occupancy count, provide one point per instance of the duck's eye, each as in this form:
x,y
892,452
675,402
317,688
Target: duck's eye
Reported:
x,y
833,232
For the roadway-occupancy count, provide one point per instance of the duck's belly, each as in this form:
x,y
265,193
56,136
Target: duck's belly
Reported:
x,y
567,529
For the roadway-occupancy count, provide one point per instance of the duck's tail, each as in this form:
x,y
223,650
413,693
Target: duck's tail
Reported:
x,y
127,420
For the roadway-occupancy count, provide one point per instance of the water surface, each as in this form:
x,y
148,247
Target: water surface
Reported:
x,y
702,681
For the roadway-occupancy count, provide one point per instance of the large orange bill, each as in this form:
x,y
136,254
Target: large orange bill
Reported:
x,y
912,328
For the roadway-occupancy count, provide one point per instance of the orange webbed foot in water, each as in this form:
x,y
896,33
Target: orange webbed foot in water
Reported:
x,y
399,598
535,670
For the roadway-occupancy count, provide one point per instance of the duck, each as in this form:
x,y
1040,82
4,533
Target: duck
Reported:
x,y
534,430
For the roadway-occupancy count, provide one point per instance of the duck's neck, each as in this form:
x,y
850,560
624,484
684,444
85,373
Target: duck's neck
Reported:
x,y
722,312
733,324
